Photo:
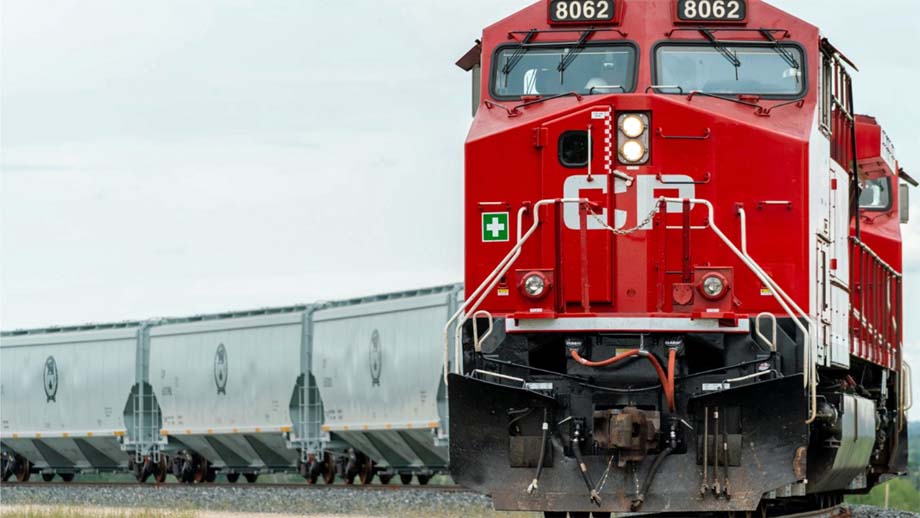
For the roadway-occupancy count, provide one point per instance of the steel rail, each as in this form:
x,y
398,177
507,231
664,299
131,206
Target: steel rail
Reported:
x,y
215,485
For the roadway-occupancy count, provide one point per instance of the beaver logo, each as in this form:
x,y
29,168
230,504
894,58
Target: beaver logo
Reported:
x,y
220,369
376,358
50,378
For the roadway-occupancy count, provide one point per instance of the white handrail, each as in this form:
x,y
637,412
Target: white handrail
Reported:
x,y
784,300
772,317
478,296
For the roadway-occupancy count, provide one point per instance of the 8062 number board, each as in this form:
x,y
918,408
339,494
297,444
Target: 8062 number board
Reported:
x,y
712,10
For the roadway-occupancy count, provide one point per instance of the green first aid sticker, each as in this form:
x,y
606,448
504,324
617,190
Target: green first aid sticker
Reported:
x,y
495,227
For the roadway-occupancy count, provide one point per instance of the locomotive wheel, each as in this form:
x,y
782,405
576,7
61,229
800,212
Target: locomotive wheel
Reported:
x,y
67,477
329,468
405,478
423,480
23,470
251,477
233,477
385,478
47,477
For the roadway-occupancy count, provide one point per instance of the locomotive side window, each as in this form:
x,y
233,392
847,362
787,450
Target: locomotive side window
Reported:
x,y
732,69
876,195
573,149
595,69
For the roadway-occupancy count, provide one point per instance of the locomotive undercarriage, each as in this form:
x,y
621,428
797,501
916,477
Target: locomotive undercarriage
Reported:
x,y
540,431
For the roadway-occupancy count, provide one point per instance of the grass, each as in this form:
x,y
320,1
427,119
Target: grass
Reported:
x,y
79,512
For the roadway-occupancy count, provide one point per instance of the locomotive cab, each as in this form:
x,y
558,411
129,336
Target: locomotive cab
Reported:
x,y
681,241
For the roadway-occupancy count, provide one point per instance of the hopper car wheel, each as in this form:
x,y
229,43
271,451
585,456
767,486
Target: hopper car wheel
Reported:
x,y
329,468
251,477
423,480
160,471
67,477
201,471
23,470
367,472
47,477
233,477
314,471
5,471
405,478
211,476
385,478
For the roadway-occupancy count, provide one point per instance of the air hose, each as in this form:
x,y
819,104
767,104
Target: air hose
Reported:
x,y
536,479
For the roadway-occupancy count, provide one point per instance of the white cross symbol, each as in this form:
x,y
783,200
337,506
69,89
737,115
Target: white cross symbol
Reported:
x,y
496,227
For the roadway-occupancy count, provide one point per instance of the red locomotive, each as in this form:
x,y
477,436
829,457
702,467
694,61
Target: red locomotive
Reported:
x,y
683,260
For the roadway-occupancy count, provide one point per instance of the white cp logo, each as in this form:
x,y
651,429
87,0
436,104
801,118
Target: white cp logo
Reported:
x,y
646,186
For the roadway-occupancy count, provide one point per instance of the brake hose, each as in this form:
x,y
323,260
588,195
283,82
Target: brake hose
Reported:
x,y
649,477
536,479
667,380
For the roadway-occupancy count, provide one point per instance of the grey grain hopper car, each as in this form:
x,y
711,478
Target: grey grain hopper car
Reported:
x,y
64,394
350,389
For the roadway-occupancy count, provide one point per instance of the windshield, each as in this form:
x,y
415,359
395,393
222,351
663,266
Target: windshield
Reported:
x,y
760,70
596,69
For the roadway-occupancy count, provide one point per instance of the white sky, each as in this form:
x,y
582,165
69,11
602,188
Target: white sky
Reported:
x,y
175,157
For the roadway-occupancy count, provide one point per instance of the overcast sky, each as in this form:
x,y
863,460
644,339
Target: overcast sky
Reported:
x,y
176,157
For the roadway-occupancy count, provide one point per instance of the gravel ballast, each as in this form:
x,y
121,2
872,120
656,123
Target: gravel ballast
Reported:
x,y
401,503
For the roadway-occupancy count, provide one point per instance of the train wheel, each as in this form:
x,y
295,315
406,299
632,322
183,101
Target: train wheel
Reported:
x,y
600,515
201,473
6,465
367,472
385,478
233,477
211,475
23,470
47,477
554,514
405,478
67,477
423,480
329,468
251,477
160,470
314,471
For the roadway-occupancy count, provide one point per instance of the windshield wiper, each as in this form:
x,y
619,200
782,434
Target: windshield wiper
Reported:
x,y
782,51
579,46
730,56
519,52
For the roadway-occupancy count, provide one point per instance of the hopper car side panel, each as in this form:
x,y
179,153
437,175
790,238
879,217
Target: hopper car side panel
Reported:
x,y
224,387
378,369
63,396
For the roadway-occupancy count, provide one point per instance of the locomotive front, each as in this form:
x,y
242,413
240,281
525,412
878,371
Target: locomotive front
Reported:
x,y
657,202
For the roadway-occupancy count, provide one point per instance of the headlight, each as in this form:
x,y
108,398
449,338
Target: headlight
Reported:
x,y
632,126
632,151
534,285
713,286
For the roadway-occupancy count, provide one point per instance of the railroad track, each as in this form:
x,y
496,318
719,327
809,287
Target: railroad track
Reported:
x,y
177,486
